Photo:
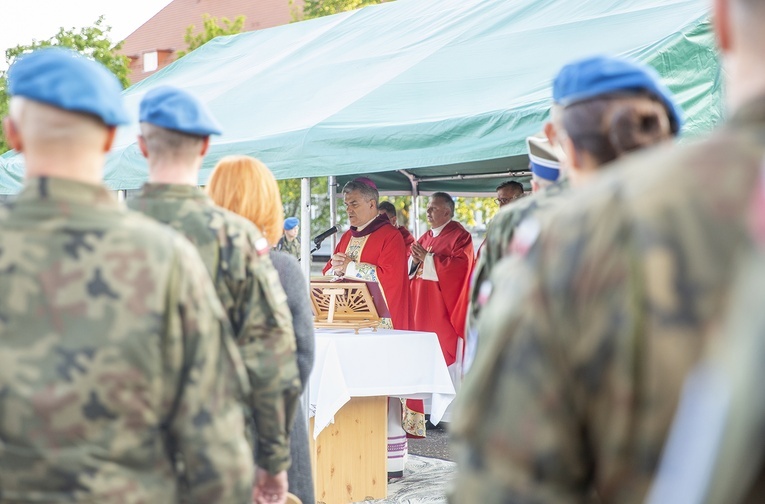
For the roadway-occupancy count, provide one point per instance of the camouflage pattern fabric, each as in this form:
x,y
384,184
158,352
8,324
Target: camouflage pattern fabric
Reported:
x,y
715,451
586,341
236,255
291,247
114,352
499,235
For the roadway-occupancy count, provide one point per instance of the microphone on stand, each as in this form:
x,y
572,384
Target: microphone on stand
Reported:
x,y
323,236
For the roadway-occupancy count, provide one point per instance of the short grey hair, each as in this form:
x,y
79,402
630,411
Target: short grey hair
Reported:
x,y
446,198
368,192
164,143
46,126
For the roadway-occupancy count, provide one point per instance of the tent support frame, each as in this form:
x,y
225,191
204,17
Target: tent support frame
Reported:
x,y
332,189
414,220
305,264
469,177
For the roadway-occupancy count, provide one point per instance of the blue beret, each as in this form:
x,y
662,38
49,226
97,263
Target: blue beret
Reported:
x,y
178,110
544,163
290,223
590,77
67,80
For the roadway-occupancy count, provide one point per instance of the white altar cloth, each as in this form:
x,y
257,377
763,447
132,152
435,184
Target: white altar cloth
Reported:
x,y
406,364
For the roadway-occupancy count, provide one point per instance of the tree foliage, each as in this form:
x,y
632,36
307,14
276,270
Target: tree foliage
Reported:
x,y
471,212
211,28
290,192
319,8
92,41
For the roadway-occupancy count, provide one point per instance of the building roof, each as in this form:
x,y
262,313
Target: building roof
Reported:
x,y
166,30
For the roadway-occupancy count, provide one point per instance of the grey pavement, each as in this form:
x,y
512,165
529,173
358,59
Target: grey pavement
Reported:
x,y
435,444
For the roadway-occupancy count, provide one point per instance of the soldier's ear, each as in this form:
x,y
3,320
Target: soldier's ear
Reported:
x,y
205,146
722,20
111,134
12,135
142,145
574,160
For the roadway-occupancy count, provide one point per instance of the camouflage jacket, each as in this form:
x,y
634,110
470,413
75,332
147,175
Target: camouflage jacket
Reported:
x,y
290,247
114,352
584,352
499,234
236,255
714,454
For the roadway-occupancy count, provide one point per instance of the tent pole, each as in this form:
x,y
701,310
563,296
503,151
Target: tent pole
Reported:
x,y
414,215
332,188
416,206
305,264
305,226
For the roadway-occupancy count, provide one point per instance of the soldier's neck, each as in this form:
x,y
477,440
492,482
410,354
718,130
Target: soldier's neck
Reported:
x,y
86,169
174,174
745,77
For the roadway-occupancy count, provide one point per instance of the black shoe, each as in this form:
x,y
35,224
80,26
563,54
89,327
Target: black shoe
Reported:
x,y
394,476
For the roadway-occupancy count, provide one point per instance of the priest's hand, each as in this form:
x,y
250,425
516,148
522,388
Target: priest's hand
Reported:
x,y
339,262
418,252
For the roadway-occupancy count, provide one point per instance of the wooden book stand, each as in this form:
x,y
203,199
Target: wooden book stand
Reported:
x,y
344,304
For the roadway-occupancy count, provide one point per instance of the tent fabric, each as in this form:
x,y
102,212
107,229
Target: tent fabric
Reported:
x,y
432,87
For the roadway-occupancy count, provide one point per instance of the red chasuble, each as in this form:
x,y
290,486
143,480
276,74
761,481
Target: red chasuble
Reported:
x,y
380,256
438,306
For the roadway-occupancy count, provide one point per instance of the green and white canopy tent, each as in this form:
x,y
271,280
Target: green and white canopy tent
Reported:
x,y
435,92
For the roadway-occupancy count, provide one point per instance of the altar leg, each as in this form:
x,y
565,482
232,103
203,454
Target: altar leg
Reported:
x,y
350,454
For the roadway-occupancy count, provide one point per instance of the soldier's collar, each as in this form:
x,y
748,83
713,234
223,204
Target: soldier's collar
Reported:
x,y
66,191
180,191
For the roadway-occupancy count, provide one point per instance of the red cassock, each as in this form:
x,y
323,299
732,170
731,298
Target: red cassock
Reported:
x,y
408,239
381,256
440,306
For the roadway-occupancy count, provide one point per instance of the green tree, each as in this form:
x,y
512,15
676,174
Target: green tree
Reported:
x,y
92,41
471,212
319,8
290,192
211,28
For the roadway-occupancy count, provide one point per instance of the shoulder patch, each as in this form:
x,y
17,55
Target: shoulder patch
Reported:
x,y
484,292
261,246
524,238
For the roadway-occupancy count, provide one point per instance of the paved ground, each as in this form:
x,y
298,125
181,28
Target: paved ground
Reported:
x,y
426,481
435,444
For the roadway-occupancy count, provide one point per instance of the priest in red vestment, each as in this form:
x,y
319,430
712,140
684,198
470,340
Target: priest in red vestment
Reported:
x,y
374,250
387,208
442,261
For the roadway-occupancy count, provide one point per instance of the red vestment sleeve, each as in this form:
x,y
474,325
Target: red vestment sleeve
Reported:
x,y
454,262
392,274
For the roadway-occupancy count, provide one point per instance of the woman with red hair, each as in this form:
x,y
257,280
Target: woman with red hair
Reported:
x,y
246,186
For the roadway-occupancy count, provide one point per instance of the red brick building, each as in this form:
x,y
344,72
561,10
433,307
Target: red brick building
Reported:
x,y
154,45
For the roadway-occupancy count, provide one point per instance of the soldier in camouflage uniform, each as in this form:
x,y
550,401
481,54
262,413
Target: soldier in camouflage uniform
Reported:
x,y
578,83
115,351
290,244
546,187
175,130
583,355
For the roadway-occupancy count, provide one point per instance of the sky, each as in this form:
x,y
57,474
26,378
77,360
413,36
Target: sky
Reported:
x,y
25,20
